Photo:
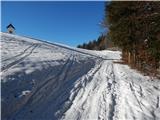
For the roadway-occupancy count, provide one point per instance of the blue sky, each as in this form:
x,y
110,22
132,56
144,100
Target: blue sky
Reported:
x,y
70,23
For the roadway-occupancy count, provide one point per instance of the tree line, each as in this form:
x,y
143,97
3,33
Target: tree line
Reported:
x,y
101,43
134,26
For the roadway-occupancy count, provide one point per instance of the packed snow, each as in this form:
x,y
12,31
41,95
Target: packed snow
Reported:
x,y
47,81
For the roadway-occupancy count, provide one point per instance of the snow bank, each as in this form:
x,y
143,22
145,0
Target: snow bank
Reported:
x,y
48,81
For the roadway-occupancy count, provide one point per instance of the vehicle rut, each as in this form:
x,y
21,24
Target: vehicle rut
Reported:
x,y
3,69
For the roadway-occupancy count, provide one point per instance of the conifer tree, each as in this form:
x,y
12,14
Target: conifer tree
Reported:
x,y
134,26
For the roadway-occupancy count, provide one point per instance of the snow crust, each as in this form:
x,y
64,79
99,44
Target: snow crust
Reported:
x,y
48,81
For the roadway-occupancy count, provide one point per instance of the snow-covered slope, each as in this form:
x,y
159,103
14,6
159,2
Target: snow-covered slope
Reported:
x,y
45,81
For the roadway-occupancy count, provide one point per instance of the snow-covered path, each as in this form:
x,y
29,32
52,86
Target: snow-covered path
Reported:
x,y
44,81
114,92
96,99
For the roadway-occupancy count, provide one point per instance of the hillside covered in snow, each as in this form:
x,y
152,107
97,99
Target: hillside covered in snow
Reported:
x,y
46,81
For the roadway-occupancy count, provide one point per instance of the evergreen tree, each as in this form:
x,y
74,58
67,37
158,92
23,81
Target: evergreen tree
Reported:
x,y
134,26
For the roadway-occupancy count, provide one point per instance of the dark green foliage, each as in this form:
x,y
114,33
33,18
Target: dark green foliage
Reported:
x,y
99,44
134,26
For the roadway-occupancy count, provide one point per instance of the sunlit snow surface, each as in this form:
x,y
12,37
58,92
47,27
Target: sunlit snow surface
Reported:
x,y
44,81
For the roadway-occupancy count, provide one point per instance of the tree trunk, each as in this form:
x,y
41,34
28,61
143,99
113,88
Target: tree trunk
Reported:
x,y
129,57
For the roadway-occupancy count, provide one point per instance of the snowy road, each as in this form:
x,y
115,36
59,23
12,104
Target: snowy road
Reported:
x,y
44,81
114,93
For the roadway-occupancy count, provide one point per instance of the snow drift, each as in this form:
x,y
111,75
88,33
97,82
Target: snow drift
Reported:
x,y
46,81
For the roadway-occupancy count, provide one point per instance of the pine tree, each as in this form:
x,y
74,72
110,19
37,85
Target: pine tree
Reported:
x,y
134,26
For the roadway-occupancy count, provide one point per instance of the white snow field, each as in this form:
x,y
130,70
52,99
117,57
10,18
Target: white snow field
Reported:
x,y
46,81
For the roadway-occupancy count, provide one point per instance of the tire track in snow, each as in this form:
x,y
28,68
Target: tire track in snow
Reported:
x,y
157,105
71,49
97,98
112,91
141,105
48,80
104,103
138,98
81,94
25,54
52,81
153,111
128,82
133,92
18,55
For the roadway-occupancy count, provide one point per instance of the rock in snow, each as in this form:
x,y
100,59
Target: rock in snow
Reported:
x,y
46,81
